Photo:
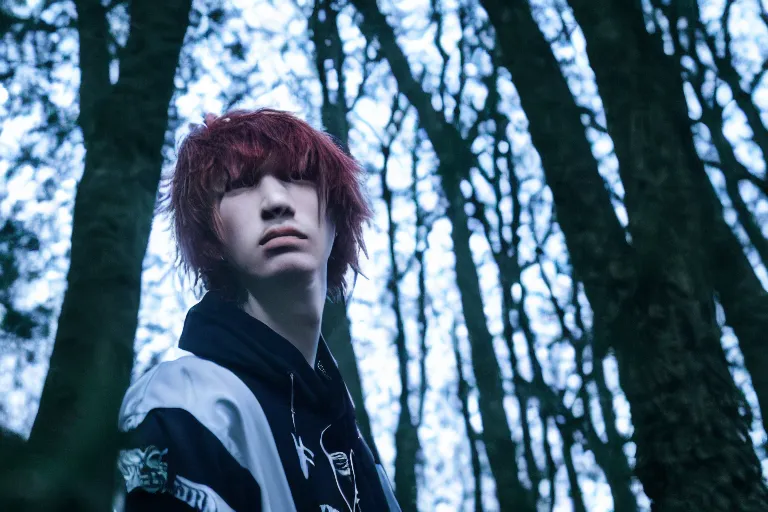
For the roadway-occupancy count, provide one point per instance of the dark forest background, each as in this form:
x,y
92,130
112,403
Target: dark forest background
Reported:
x,y
565,303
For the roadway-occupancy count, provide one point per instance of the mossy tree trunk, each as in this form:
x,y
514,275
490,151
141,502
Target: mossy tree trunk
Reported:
x,y
69,461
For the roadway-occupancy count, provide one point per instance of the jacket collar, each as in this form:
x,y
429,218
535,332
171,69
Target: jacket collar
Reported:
x,y
219,331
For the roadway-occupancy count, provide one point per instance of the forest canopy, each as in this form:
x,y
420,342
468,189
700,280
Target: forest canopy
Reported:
x,y
565,301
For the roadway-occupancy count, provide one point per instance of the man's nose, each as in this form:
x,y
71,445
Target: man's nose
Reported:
x,y
275,198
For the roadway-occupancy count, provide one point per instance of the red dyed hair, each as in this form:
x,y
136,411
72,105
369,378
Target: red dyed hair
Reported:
x,y
235,148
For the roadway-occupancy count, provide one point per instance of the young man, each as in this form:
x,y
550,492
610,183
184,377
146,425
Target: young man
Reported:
x,y
268,213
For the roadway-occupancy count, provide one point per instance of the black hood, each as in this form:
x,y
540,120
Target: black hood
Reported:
x,y
217,330
309,410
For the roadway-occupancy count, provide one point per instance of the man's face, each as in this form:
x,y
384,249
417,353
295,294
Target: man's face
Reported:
x,y
275,230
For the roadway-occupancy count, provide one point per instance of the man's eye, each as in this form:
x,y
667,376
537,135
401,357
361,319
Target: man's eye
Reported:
x,y
294,176
241,183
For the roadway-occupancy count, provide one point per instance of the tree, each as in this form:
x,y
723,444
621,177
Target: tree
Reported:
x,y
334,111
643,296
455,159
474,437
68,462
600,257
739,290
406,434
670,204
609,455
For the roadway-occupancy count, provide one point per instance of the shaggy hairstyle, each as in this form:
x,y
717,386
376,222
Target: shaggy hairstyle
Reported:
x,y
234,150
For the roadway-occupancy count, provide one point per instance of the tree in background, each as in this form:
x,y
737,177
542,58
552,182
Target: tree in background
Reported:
x,y
68,462
406,434
329,59
554,281
739,289
661,319
677,228
455,160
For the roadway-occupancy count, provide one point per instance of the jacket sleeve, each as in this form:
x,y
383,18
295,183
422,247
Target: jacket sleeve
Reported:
x,y
172,462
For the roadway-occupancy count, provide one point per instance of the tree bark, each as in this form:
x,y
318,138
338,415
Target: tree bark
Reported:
x,y
668,206
645,301
406,435
740,291
463,394
69,463
455,160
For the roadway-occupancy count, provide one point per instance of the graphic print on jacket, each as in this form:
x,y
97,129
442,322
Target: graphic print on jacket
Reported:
x,y
144,468
245,418
344,472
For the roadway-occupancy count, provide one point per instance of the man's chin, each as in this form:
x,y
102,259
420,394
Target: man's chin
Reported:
x,y
289,274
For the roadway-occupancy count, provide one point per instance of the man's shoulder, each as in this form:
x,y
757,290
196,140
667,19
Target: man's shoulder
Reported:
x,y
185,369
188,382
217,400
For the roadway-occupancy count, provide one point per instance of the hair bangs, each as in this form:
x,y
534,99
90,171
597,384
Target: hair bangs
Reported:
x,y
284,147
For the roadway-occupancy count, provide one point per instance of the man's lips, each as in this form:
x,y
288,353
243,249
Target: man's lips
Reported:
x,y
281,231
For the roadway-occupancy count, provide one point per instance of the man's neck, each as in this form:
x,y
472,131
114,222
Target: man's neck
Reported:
x,y
296,316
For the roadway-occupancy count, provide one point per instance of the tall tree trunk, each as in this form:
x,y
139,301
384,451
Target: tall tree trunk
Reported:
x,y
463,393
69,463
653,313
406,435
336,329
406,438
595,238
455,159
609,456
507,258
668,207
740,291
419,254
334,110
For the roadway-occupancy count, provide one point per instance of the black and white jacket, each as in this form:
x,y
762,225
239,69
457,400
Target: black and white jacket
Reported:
x,y
243,423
